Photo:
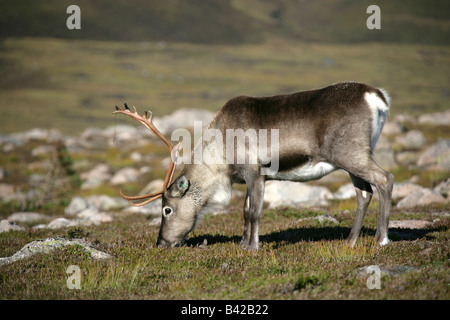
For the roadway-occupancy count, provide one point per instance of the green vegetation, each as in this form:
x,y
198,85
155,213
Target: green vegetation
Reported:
x,y
229,21
311,262
71,85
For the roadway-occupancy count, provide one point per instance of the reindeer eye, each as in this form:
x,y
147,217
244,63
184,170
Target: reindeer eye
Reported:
x,y
167,211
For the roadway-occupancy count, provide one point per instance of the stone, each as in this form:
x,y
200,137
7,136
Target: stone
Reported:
x,y
152,208
405,118
421,197
97,202
88,217
106,203
345,191
76,205
6,226
393,128
28,217
182,118
43,150
406,158
153,186
385,158
410,224
125,175
436,119
437,156
51,244
136,156
56,224
295,194
91,216
96,176
412,140
156,222
7,192
443,188
402,189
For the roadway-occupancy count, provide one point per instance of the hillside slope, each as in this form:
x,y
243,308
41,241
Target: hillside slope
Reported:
x,y
230,21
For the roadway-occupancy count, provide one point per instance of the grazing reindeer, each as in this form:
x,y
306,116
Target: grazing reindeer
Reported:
x,y
320,130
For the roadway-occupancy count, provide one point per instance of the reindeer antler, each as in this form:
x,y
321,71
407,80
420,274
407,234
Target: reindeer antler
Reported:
x,y
147,122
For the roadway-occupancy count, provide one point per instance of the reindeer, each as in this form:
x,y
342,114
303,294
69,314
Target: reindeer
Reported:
x,y
320,131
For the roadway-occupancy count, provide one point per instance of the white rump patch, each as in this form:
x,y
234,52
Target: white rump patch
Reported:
x,y
380,111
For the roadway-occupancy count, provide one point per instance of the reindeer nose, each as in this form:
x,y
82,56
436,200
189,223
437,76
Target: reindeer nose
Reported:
x,y
161,243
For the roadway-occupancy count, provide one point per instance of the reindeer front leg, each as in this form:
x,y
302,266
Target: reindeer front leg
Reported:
x,y
252,211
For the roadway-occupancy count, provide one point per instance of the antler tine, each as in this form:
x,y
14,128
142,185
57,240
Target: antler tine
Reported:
x,y
148,123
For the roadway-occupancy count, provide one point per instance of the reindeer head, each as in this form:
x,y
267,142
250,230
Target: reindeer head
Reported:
x,y
181,201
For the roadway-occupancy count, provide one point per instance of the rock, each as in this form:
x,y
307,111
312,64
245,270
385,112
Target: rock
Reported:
x,y
385,158
7,192
136,156
383,143
91,138
38,134
55,224
412,140
407,158
6,226
436,119
156,222
121,133
43,150
393,128
88,217
50,244
437,156
421,197
410,224
405,118
91,216
345,191
98,202
152,208
125,175
383,153
95,177
153,186
402,189
27,217
182,118
443,188
76,205
36,179
295,194
106,203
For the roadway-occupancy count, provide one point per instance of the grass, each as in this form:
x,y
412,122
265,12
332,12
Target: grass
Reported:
x,y
311,261
78,83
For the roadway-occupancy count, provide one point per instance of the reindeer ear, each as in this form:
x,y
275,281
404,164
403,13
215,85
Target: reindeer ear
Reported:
x,y
180,186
